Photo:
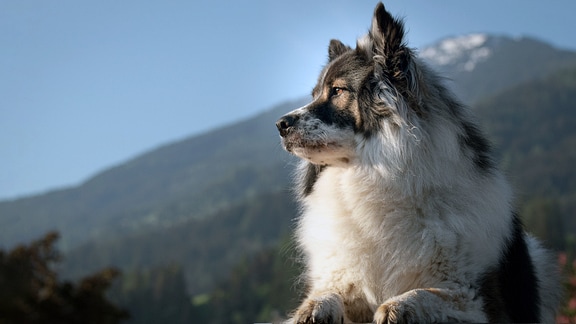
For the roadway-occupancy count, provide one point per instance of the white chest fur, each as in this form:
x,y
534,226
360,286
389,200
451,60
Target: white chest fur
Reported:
x,y
356,231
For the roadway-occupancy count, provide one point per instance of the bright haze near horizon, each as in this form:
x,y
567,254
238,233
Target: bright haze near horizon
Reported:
x,y
85,85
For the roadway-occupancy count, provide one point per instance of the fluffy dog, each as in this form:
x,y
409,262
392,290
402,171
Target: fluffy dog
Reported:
x,y
405,216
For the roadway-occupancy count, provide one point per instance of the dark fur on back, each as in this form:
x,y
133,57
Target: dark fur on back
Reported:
x,y
510,291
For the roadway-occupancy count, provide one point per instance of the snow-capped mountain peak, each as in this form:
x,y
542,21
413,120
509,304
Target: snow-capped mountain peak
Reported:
x,y
465,52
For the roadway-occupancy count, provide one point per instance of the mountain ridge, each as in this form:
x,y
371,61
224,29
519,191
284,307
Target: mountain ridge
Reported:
x,y
200,175
539,166
481,64
463,52
154,184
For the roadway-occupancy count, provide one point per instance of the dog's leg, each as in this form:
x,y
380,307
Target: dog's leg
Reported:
x,y
432,306
320,309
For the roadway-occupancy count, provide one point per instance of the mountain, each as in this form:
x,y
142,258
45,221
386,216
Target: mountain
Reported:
x,y
480,64
462,53
200,175
532,125
205,201
184,180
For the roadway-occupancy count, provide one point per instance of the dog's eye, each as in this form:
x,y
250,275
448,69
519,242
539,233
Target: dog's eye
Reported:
x,y
336,91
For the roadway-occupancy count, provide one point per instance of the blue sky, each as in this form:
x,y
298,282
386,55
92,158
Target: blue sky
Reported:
x,y
85,85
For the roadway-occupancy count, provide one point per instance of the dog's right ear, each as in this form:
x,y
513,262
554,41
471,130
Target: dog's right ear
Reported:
x,y
335,49
386,33
387,38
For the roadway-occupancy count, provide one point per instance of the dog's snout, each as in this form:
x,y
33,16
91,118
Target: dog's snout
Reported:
x,y
285,123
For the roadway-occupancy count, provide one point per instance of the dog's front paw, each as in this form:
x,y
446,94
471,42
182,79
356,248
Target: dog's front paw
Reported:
x,y
322,310
396,312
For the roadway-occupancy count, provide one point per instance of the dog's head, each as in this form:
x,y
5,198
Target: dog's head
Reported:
x,y
360,92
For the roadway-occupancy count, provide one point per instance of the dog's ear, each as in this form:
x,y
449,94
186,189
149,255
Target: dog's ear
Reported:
x,y
335,49
387,37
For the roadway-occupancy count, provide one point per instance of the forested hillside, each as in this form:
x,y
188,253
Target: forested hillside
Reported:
x,y
204,248
534,129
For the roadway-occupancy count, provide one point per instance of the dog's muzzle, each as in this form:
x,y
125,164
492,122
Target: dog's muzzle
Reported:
x,y
285,124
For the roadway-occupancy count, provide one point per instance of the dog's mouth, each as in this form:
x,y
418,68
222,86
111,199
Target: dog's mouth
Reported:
x,y
320,145
295,141
297,138
317,151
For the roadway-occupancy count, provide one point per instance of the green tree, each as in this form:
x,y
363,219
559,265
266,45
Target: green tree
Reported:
x,y
567,312
261,288
32,293
155,296
543,218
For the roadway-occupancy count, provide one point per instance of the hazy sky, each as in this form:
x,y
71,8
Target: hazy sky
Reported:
x,y
85,85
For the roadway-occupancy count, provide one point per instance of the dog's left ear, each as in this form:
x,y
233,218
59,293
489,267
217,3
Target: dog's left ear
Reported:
x,y
387,37
335,49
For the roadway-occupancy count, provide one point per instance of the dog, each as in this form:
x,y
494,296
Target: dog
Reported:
x,y
405,217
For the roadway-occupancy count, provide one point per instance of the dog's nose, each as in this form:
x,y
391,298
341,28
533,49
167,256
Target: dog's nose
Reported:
x,y
285,123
